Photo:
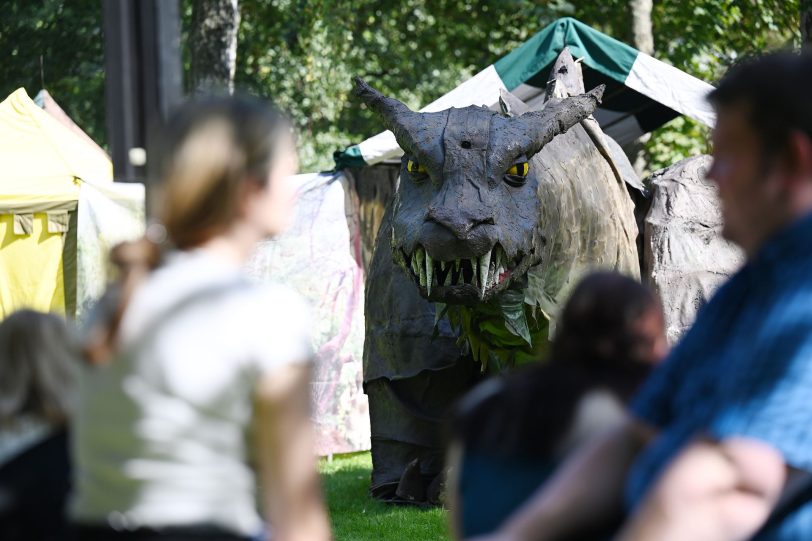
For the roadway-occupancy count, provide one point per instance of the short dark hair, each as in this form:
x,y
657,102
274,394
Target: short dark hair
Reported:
x,y
776,90
38,362
596,327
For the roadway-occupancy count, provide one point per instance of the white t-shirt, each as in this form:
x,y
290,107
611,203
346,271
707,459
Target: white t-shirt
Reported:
x,y
161,432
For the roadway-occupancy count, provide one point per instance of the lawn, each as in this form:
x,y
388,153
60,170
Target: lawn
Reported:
x,y
357,517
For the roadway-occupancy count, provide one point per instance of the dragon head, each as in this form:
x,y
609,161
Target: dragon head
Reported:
x,y
466,222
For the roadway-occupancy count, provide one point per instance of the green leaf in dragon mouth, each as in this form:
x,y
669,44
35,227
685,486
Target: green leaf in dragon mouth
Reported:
x,y
499,334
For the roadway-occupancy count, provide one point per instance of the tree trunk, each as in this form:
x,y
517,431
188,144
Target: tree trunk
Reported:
x,y
643,37
806,24
641,25
213,45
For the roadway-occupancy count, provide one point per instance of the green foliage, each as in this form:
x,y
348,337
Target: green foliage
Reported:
x,y
704,38
357,517
67,37
681,138
303,53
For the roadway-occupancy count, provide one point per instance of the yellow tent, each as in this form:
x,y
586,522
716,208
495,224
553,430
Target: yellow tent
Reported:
x,y
43,164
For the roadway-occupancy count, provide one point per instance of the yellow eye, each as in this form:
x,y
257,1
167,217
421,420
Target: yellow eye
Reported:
x,y
414,167
519,169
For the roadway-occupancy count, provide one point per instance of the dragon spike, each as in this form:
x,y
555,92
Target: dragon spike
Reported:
x,y
510,104
429,272
558,116
566,77
395,115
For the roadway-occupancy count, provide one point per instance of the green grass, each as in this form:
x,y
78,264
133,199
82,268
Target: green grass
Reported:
x,y
357,517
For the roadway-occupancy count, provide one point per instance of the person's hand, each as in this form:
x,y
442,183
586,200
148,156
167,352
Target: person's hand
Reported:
x,y
712,491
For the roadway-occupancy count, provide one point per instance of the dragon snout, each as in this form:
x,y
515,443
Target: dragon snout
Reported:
x,y
459,221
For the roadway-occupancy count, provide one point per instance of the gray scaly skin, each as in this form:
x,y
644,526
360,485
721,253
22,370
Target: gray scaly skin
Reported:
x,y
568,81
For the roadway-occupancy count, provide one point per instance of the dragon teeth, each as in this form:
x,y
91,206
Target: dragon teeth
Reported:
x,y
429,272
420,256
484,265
447,281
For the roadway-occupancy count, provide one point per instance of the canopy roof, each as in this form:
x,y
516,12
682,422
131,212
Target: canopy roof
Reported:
x,y
42,159
642,93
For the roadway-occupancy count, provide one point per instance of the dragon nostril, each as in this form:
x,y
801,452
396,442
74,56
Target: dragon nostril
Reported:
x,y
466,144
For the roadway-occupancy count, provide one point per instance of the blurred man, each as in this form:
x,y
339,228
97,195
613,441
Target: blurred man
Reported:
x,y
722,427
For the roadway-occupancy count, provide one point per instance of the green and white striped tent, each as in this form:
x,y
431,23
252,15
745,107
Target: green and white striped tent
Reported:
x,y
642,93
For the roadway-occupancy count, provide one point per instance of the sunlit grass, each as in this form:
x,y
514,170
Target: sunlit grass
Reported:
x,y
357,517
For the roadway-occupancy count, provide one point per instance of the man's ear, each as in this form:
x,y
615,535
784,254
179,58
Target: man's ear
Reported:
x,y
798,156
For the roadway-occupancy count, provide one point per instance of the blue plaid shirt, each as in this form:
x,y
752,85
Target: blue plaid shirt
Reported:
x,y
743,369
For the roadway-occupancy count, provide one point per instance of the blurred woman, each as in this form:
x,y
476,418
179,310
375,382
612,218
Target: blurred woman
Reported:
x,y
511,432
38,359
195,411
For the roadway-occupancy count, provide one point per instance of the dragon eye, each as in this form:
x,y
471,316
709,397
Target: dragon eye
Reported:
x,y
415,167
516,175
519,169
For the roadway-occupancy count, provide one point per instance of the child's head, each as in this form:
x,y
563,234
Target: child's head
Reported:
x,y
226,159
611,323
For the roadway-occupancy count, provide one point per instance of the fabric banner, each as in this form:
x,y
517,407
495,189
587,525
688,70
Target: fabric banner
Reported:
x,y
108,213
320,257
671,87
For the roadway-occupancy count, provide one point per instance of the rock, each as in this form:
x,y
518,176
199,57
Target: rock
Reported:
x,y
685,256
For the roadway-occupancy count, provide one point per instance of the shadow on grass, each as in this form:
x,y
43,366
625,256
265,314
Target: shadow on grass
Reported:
x,y
357,517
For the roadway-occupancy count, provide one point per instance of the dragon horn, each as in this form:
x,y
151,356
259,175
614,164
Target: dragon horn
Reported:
x,y
558,116
395,115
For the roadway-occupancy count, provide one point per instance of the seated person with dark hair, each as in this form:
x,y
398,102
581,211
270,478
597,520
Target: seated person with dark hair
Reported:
x,y
511,432
38,359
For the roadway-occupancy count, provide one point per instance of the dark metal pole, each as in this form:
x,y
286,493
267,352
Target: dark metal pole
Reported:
x,y
121,86
143,78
